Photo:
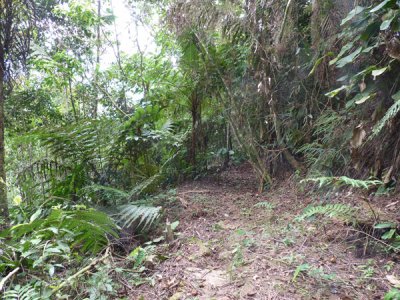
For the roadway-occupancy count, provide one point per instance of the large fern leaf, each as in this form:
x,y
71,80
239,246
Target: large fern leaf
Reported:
x,y
26,292
343,181
91,228
337,210
144,215
389,115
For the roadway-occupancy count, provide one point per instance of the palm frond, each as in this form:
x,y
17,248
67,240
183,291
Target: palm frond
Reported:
x,y
144,215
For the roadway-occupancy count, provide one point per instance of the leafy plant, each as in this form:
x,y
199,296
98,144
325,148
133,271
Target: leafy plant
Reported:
x,y
266,205
317,273
391,235
338,210
143,215
393,294
26,292
343,181
300,269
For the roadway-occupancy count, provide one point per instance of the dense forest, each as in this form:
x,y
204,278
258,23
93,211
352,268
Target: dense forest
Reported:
x,y
200,149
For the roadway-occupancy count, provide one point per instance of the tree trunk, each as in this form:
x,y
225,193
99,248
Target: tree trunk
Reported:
x,y
3,186
195,119
98,44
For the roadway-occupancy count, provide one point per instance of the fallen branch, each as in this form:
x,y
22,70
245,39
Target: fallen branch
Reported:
x,y
4,280
81,272
196,192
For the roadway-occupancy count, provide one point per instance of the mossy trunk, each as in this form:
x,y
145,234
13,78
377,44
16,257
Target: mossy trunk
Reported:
x,y
3,186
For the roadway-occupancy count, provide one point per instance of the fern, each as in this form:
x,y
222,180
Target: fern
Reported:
x,y
90,228
26,292
326,125
389,115
329,210
265,205
343,181
145,215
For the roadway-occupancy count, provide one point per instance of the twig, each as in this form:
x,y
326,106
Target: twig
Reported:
x,y
80,272
4,280
376,217
196,192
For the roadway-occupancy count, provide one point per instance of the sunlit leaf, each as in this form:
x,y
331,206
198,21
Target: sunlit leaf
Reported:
x,y
380,6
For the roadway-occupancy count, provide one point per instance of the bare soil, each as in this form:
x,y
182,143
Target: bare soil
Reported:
x,y
229,246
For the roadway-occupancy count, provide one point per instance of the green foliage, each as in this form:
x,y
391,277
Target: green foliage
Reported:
x,y
391,235
389,115
364,31
83,229
337,210
326,152
299,270
143,215
266,205
26,292
343,181
393,294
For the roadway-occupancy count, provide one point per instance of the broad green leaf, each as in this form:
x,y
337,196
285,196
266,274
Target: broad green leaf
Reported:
x,y
388,235
364,98
379,72
352,14
386,24
333,93
349,58
385,225
344,49
380,6
35,215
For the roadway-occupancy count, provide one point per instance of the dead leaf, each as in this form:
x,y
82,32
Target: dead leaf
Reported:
x,y
387,177
362,86
393,280
359,135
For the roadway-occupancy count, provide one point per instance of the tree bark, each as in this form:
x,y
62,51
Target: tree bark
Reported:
x,y
195,119
3,186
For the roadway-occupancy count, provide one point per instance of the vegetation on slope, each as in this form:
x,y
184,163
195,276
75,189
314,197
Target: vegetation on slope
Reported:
x,y
90,140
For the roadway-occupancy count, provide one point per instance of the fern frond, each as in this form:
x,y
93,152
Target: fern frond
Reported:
x,y
265,205
343,181
389,115
145,215
26,292
91,228
338,210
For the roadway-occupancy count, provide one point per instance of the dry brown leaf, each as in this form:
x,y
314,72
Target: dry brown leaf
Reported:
x,y
393,280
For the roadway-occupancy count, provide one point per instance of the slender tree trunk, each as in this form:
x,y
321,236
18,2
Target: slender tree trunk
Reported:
x,y
194,111
72,99
228,145
3,186
98,44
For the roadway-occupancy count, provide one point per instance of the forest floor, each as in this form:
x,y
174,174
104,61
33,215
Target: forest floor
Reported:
x,y
227,247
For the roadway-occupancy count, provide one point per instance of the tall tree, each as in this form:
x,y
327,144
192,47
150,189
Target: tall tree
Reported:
x,y
17,23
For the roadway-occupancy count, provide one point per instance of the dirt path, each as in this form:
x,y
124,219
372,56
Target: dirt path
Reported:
x,y
235,244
